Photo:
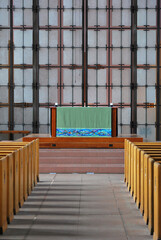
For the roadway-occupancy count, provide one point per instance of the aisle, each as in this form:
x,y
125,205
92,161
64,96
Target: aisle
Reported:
x,y
79,207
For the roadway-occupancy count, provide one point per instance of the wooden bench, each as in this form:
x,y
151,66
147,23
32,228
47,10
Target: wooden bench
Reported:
x,y
157,201
3,195
21,159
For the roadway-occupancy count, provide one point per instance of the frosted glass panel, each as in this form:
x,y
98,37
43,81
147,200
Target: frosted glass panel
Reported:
x,y
4,56
151,115
151,94
126,95
141,115
141,77
18,113
102,91
102,75
91,95
28,116
3,94
116,95
126,115
3,77
72,17
53,98
4,37
141,17
91,77
141,95
4,115
43,115
4,17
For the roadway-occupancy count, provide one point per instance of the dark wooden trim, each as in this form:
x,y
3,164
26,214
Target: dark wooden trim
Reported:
x,y
114,122
53,121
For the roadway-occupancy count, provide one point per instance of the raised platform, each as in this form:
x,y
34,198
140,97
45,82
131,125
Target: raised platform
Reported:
x,y
46,141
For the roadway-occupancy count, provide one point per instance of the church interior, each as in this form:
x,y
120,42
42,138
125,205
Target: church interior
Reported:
x,y
80,119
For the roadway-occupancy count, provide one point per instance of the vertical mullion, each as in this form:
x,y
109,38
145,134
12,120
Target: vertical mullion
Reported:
x,y
11,80
158,95
72,52
35,66
61,52
109,53
85,58
121,74
134,67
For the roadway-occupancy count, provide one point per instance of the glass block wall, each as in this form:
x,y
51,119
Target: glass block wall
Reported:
x,y
90,53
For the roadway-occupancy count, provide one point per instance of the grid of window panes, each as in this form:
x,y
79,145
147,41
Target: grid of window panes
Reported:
x,y
109,57
60,56
146,68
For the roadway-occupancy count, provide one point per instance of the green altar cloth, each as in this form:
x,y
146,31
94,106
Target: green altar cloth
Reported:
x,y
83,121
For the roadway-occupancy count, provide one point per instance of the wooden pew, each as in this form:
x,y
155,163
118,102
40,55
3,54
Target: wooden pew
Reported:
x,y
3,195
157,201
9,199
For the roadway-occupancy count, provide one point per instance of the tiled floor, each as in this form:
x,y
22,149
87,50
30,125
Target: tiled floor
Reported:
x,y
79,207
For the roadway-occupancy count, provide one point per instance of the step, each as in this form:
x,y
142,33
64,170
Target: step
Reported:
x,y
71,153
81,160
86,168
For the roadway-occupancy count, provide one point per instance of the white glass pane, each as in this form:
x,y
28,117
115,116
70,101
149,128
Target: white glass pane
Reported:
x,y
151,17
53,77
3,77
102,18
92,17
126,115
43,115
77,95
18,56
102,91
43,3
18,115
28,55
53,38
4,56
116,17
141,115
116,56
102,75
28,95
43,56
151,94
18,94
4,17
141,77
151,133
141,38
116,38
72,38
18,38
102,56
126,56
28,35
43,94
4,4
151,76
126,38
91,56
141,56
116,77
72,17
92,38
151,113
18,77
28,116
53,3
151,56
126,77
3,94
28,14
116,4
126,17
141,95
28,77
116,95
43,17
91,77
43,77
53,98
18,17
53,17
4,116
141,17
53,56
151,3
91,95
4,38
43,38
126,3
142,3
102,38
151,38
67,95
28,4
126,95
